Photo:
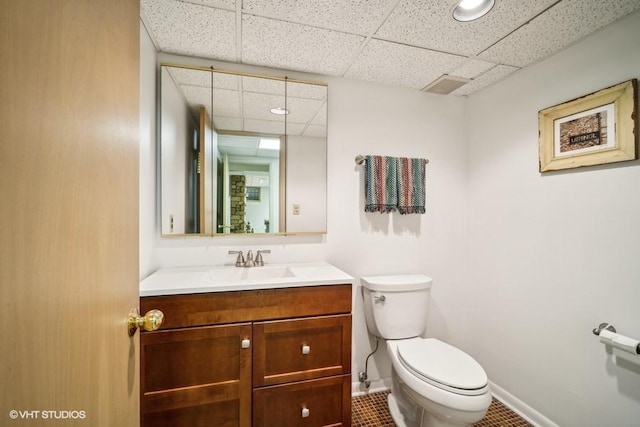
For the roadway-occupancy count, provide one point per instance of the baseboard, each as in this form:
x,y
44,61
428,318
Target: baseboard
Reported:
x,y
359,389
519,407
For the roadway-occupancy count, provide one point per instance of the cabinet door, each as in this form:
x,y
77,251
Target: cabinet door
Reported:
x,y
314,403
196,377
301,349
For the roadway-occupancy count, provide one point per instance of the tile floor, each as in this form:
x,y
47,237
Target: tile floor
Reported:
x,y
371,411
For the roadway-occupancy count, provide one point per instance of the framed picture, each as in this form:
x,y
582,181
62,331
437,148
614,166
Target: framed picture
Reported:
x,y
253,193
592,130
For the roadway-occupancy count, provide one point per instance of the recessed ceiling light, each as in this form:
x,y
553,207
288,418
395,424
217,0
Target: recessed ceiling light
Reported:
x,y
279,111
269,144
468,10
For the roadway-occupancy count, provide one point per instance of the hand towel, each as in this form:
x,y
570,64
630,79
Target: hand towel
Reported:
x,y
395,183
380,183
411,185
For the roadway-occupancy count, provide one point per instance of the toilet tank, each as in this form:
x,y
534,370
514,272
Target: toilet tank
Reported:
x,y
396,307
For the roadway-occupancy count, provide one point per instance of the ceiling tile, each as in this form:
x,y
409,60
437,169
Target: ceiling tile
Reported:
x,y
191,29
560,26
304,90
430,24
262,85
400,65
296,129
197,96
226,103
316,131
472,68
321,116
284,45
350,16
264,126
221,4
227,123
302,110
258,105
190,77
225,81
484,80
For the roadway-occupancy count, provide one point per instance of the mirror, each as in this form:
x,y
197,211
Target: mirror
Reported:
x,y
241,154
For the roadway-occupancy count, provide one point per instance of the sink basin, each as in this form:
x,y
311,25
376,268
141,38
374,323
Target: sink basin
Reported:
x,y
188,280
231,274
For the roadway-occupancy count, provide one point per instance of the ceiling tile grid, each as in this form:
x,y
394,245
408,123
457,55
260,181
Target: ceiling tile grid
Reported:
x,y
497,73
472,68
397,42
290,46
401,65
221,4
191,29
430,24
565,23
350,16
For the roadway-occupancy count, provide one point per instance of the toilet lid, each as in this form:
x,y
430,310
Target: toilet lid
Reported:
x,y
443,365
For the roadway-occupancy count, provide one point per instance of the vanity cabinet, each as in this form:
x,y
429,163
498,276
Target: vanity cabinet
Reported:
x,y
273,357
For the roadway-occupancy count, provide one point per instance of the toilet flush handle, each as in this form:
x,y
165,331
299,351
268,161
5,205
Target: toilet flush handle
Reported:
x,y
379,298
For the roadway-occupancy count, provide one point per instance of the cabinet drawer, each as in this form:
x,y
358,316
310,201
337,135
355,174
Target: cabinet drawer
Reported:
x,y
248,306
313,403
197,376
301,349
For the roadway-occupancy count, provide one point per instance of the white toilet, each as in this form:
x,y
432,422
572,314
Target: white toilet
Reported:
x,y
434,384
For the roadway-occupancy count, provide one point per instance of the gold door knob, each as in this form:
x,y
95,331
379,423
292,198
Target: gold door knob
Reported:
x,y
149,322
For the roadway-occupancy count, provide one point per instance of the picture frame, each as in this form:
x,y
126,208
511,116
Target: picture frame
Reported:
x,y
253,194
595,129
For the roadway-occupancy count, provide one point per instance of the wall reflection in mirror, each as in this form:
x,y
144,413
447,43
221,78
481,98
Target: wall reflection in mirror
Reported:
x,y
241,154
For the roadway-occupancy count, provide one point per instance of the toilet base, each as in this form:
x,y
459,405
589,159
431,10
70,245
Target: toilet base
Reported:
x,y
424,418
394,410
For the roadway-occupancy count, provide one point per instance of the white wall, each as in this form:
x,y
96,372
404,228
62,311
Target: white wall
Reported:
x,y
553,255
524,265
149,221
177,140
304,188
364,118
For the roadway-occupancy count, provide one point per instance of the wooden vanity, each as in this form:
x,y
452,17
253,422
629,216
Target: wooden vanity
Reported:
x,y
268,357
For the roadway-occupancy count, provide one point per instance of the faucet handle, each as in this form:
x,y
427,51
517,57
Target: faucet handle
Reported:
x,y
249,262
240,259
259,262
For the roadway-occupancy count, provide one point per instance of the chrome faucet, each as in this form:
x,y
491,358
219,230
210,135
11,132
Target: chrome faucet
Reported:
x,y
240,260
259,261
249,262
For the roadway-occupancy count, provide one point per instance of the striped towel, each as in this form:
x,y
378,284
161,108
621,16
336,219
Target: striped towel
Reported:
x,y
380,183
411,186
394,183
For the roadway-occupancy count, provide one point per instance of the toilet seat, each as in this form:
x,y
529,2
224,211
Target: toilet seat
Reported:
x,y
442,366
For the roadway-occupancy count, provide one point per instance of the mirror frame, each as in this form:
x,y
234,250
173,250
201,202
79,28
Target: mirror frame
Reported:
x,y
283,167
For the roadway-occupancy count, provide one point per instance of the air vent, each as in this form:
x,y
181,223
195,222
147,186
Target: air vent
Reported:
x,y
445,84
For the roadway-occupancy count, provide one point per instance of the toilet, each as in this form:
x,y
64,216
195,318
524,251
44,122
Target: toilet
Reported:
x,y
434,384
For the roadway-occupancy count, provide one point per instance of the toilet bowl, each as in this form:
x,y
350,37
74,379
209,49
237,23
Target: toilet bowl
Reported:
x,y
434,384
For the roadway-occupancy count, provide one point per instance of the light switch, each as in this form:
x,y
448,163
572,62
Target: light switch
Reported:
x,y
296,209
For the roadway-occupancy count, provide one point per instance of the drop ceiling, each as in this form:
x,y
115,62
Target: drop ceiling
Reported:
x,y
408,43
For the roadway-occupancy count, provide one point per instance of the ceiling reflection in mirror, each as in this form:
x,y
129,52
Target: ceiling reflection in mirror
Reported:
x,y
241,154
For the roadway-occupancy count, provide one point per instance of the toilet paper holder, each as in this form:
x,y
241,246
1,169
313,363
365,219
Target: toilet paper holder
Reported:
x,y
621,342
601,326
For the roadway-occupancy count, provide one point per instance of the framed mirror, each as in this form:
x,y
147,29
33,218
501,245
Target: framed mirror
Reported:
x,y
241,154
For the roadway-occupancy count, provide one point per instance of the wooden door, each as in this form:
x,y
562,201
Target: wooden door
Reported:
x,y
69,131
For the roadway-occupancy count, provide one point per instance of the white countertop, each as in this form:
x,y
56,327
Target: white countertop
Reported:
x,y
192,280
